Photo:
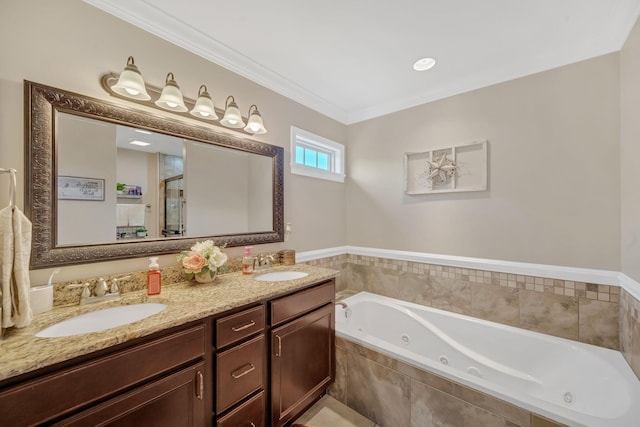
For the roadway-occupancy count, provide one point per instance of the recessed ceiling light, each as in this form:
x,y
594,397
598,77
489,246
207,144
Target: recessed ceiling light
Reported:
x,y
424,64
146,132
140,143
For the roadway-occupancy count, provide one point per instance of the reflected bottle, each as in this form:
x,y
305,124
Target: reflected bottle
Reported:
x,y
247,261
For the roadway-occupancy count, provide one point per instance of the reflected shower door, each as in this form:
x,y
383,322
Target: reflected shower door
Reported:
x,y
173,207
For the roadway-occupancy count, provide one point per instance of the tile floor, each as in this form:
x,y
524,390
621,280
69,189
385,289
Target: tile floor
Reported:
x,y
328,412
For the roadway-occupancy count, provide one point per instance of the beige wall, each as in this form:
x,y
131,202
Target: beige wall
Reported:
x,y
630,153
69,44
554,172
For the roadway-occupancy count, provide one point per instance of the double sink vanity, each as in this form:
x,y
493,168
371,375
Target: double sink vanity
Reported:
x,y
242,351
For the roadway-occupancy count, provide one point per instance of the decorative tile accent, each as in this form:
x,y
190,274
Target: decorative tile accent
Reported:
x,y
544,284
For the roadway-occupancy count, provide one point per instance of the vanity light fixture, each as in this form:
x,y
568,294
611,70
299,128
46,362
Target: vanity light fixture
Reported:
x,y
131,83
131,86
171,97
232,117
254,123
204,105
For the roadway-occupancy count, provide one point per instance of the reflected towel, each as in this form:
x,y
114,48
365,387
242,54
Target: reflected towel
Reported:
x,y
15,250
137,215
122,215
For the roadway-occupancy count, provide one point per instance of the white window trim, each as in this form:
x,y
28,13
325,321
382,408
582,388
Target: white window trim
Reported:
x,y
322,144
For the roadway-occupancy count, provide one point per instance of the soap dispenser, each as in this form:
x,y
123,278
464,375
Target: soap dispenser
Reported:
x,y
154,277
247,261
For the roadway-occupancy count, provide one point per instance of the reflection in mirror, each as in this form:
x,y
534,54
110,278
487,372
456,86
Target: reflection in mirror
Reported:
x,y
106,182
150,185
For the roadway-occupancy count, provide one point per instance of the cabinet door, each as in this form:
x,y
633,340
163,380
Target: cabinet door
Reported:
x,y
176,400
302,363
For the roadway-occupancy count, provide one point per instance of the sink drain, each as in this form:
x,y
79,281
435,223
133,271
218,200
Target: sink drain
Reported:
x,y
405,339
444,360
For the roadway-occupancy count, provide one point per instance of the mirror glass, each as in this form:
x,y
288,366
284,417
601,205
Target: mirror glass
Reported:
x,y
155,186
107,182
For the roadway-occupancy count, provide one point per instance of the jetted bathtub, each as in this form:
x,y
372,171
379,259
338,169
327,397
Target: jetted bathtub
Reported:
x,y
567,381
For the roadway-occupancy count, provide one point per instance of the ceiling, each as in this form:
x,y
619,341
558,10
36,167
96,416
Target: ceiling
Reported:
x,y
352,59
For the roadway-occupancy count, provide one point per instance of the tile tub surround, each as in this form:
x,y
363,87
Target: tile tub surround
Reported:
x,y
22,352
630,330
393,393
579,311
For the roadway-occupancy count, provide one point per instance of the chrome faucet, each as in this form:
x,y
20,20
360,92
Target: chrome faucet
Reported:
x,y
262,261
345,307
101,291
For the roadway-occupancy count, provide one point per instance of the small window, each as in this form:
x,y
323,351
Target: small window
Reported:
x,y
315,156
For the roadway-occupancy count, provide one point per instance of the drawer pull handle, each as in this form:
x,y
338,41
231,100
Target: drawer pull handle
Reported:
x,y
243,327
245,372
200,385
279,346
252,425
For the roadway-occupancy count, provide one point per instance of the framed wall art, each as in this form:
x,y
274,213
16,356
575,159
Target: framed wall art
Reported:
x,y
78,188
446,170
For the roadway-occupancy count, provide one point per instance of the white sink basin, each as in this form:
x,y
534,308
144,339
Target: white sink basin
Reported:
x,y
101,320
281,276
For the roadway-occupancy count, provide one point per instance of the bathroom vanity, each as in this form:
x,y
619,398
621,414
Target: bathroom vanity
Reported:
x,y
221,369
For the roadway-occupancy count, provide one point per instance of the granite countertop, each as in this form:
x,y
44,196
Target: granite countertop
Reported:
x,y
21,351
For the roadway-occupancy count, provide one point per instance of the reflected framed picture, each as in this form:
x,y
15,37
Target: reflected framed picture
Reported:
x,y
80,188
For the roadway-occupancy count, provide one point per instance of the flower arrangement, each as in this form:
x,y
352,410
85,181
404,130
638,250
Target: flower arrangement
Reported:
x,y
203,261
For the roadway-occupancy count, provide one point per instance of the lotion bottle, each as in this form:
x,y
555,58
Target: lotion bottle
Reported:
x,y
154,277
247,261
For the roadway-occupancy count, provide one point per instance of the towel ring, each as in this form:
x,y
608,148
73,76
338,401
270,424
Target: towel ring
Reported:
x,y
12,185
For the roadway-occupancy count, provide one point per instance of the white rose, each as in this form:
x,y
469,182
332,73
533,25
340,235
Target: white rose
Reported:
x,y
217,257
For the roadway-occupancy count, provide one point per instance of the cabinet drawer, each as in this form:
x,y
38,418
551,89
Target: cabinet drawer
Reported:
x,y
291,306
240,372
249,414
235,327
55,394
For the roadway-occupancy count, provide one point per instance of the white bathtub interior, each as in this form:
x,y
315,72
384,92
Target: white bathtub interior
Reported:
x,y
570,382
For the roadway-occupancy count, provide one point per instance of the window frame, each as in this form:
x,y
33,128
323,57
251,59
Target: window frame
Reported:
x,y
336,151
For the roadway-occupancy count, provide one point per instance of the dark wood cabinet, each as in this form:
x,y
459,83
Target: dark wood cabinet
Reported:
x,y
150,373
176,400
302,352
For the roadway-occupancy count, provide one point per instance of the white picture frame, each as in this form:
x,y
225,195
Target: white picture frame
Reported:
x,y
464,168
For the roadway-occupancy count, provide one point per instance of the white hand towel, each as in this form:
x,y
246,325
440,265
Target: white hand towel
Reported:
x,y
122,215
137,215
15,250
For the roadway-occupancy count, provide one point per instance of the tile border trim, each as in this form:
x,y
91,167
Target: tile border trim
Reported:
x,y
601,277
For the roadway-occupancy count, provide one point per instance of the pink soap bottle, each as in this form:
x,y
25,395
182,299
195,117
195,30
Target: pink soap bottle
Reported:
x,y
154,277
247,261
